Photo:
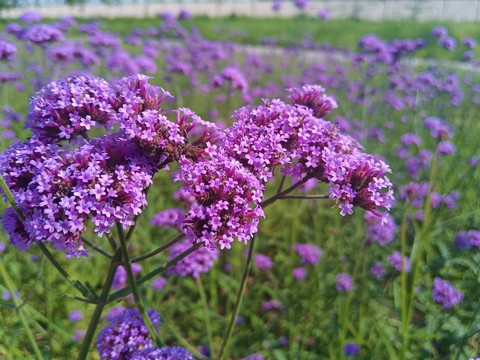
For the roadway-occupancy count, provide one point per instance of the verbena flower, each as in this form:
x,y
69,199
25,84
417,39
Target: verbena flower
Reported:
x,y
59,190
351,349
277,134
344,282
377,270
200,261
143,119
310,253
126,335
272,305
8,51
159,283
313,97
30,17
395,259
168,218
75,315
299,273
69,108
439,31
263,262
164,353
254,357
384,232
445,293
42,34
227,200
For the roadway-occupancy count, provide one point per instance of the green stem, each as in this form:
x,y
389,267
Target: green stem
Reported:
x,y
19,310
422,243
127,290
95,247
131,280
403,279
304,197
77,284
103,300
208,325
348,301
238,302
280,194
158,250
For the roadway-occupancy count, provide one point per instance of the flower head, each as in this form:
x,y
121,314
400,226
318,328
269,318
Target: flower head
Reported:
x,y
351,349
310,253
344,282
126,335
227,200
200,261
69,108
395,259
445,293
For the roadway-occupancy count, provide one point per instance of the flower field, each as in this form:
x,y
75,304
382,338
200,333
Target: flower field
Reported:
x,y
194,188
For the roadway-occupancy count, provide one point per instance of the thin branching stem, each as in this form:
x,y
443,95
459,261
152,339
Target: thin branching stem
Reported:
x,y
160,249
96,247
279,194
131,281
282,182
112,242
238,302
305,197
127,290
102,301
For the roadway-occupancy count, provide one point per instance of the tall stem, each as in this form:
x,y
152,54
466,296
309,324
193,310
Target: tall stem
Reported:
x,y
133,286
238,302
160,249
208,325
19,310
103,300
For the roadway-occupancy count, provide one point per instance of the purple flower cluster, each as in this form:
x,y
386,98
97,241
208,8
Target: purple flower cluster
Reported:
x,y
8,51
144,122
395,259
272,305
277,134
168,218
344,282
351,349
263,262
126,335
59,187
377,270
30,17
68,108
384,232
200,261
227,200
445,293
42,34
164,353
313,97
58,190
467,239
310,253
